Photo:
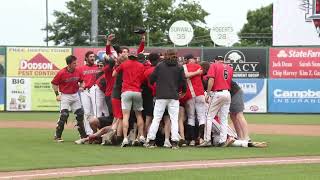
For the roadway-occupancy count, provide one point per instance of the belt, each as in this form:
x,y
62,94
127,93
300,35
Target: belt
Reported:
x,y
221,90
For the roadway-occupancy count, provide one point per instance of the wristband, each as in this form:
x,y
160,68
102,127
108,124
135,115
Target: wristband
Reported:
x,y
57,93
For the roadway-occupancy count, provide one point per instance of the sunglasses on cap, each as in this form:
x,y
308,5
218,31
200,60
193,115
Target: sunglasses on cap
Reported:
x,y
219,58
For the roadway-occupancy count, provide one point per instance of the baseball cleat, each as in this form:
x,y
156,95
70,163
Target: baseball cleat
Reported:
x,y
167,144
228,142
258,144
151,144
175,145
59,140
192,143
205,144
125,143
80,141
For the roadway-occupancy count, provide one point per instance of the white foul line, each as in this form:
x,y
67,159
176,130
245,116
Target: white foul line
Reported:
x,y
148,166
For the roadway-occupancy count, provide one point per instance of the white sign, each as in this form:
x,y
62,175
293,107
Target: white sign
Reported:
x,y
296,22
255,94
223,34
181,33
18,94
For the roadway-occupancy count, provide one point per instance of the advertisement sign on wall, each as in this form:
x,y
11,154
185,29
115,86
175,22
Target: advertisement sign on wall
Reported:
x,y
2,90
2,79
246,63
18,94
296,22
181,52
2,61
42,96
80,53
294,95
35,61
100,52
294,63
255,94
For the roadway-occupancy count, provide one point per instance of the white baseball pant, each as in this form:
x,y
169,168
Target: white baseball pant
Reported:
x,y
196,105
219,103
87,99
70,101
99,105
160,106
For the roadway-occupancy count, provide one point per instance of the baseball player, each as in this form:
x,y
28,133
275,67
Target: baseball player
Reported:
x,y
97,90
132,79
67,81
88,71
168,76
195,90
234,139
236,112
103,124
219,99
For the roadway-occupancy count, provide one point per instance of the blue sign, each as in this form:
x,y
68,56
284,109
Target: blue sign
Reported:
x,y
255,94
2,89
294,95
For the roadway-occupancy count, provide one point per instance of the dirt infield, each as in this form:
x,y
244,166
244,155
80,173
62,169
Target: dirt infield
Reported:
x,y
95,170
306,130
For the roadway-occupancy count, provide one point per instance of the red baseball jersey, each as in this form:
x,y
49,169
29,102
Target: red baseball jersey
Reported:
x,y
109,79
132,75
146,75
89,75
68,82
195,84
222,74
101,83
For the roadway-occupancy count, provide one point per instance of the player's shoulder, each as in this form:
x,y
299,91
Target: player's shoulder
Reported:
x,y
63,70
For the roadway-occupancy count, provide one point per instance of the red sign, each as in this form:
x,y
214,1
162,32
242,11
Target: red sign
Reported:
x,y
80,53
294,63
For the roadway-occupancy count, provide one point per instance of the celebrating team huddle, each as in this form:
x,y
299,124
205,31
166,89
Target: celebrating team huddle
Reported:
x,y
128,98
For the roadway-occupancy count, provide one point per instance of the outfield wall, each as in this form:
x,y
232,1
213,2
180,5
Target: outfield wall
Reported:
x,y
277,80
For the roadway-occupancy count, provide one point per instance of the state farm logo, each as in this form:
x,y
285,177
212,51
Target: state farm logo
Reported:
x,y
312,9
299,53
282,54
237,60
39,62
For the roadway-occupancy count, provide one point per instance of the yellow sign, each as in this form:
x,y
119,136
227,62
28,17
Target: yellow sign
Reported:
x,y
42,95
35,61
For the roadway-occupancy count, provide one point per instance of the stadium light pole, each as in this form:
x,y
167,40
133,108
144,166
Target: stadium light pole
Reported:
x,y
94,22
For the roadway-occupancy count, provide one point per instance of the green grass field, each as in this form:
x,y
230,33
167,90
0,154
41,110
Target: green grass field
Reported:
x,y
251,118
283,172
25,149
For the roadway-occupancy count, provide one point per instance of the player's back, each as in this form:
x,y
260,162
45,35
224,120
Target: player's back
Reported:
x,y
222,74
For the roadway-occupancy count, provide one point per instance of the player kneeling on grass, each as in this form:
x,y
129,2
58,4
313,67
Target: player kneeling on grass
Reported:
x,y
104,124
67,81
232,136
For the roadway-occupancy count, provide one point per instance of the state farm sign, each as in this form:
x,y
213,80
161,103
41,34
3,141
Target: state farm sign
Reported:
x,y
294,63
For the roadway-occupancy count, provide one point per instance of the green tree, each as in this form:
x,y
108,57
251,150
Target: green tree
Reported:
x,y
258,30
121,17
